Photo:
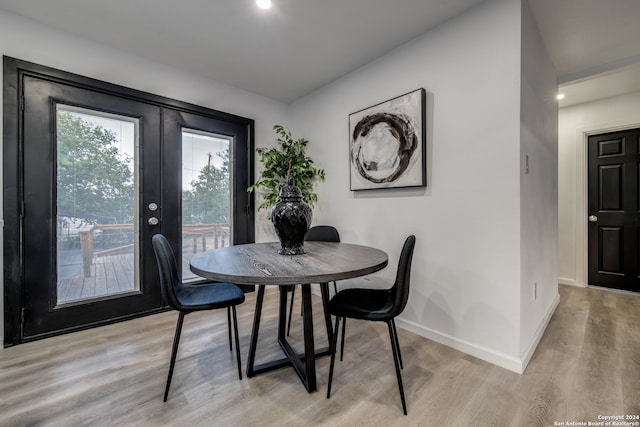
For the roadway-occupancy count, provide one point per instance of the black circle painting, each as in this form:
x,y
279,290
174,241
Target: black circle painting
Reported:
x,y
387,144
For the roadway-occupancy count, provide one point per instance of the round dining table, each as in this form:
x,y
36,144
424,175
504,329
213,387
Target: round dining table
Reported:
x,y
260,264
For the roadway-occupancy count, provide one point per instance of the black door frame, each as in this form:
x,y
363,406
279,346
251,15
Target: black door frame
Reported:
x,y
14,71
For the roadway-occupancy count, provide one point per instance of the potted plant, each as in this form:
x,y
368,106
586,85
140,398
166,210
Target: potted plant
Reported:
x,y
287,160
286,185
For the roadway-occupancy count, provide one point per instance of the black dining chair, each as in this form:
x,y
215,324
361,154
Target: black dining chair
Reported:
x,y
378,305
189,298
318,233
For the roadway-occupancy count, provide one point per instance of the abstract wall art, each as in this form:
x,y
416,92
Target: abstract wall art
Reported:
x,y
387,143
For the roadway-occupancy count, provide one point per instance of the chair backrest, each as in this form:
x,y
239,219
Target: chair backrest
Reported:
x,y
322,233
169,277
400,289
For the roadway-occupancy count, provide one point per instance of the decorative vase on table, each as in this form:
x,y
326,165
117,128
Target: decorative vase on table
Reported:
x,y
291,217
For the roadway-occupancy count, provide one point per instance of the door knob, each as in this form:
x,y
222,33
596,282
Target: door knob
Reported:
x,y
153,221
593,218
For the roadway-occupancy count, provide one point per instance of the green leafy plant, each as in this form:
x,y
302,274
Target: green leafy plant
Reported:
x,y
287,160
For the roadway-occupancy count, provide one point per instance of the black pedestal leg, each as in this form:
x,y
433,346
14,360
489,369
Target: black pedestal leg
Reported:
x,y
309,346
293,294
254,331
334,343
282,313
324,290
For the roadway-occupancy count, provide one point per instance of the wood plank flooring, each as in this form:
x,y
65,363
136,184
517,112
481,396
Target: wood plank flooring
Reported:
x,y
587,364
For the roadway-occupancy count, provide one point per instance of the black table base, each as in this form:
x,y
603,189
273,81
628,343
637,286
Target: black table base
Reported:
x,y
303,363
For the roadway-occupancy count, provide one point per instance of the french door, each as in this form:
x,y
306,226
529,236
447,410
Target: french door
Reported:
x,y
100,169
86,195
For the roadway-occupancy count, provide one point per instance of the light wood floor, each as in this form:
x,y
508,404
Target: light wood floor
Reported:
x,y
587,364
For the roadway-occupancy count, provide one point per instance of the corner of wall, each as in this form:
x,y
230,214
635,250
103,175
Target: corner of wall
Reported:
x,y
538,186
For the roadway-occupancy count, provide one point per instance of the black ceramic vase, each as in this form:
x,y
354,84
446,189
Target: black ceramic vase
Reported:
x,y
291,217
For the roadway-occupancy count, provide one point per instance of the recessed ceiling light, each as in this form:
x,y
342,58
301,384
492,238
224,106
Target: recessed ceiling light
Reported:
x,y
560,96
264,4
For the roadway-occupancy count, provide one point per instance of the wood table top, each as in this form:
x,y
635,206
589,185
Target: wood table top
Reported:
x,y
260,263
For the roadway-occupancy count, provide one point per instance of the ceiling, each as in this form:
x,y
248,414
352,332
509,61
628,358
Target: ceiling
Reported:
x,y
594,45
299,46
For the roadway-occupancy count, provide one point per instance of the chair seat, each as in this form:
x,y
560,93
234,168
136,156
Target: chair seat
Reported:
x,y
367,304
208,296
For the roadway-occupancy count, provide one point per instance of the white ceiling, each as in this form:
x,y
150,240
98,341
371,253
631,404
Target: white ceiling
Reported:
x,y
299,46
594,45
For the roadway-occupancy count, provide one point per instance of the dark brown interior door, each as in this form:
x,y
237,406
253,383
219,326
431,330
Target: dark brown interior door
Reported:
x,y
613,210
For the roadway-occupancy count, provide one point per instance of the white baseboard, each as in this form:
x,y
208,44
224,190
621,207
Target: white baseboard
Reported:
x,y
497,358
571,282
540,332
503,360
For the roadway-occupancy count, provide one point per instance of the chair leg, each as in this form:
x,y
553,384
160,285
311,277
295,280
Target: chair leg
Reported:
x,y
344,326
333,356
176,341
293,294
229,327
235,329
395,360
344,330
395,333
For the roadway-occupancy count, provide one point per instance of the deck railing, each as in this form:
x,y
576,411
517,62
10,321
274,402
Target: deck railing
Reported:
x,y
197,231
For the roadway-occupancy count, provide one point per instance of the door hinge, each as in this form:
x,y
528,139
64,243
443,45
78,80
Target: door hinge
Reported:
x,y
22,209
22,315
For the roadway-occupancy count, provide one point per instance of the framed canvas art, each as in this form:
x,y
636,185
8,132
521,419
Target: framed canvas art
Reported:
x,y
387,144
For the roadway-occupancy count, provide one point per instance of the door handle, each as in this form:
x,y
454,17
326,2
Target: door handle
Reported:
x,y
153,221
593,218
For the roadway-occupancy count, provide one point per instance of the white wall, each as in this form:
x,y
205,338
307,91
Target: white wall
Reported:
x,y
574,124
538,184
27,40
467,265
469,270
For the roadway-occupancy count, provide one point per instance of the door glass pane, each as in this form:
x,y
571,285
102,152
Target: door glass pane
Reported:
x,y
97,233
206,194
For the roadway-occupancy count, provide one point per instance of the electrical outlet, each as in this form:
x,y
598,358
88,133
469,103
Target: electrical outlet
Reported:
x,y
535,291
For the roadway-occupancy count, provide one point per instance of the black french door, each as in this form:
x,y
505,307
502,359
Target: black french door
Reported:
x,y
92,171
57,233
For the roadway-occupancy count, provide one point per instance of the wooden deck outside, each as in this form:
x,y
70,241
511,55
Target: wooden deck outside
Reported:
x,y
113,274
109,275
